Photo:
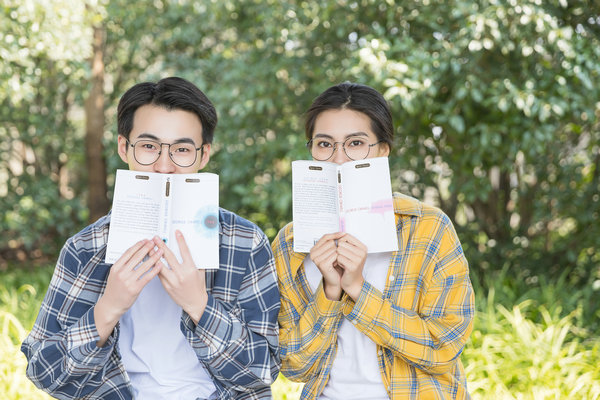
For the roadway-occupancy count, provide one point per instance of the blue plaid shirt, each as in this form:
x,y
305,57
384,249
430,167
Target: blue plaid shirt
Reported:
x,y
236,338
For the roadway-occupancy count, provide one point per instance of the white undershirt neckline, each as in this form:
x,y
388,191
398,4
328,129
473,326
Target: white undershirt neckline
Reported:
x,y
355,371
157,357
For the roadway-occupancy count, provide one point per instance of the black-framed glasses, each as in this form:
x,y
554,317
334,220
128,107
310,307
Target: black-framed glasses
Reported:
x,y
355,147
146,152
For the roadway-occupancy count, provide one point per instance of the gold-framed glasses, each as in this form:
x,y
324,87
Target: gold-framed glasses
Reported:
x,y
146,152
355,147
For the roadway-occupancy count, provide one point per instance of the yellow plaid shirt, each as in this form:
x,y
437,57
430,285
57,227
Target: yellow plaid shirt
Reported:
x,y
420,323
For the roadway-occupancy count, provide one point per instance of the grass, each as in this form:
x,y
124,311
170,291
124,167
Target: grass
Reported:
x,y
19,303
524,346
512,357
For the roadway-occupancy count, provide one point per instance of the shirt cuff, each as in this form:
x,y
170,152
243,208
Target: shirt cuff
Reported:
x,y
326,307
360,313
215,330
82,338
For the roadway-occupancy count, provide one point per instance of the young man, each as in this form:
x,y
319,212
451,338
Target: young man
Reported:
x,y
143,329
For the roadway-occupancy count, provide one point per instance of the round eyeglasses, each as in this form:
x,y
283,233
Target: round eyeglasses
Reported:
x,y
147,152
355,147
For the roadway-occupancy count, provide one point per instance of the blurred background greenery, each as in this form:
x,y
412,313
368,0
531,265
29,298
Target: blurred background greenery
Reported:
x,y
496,105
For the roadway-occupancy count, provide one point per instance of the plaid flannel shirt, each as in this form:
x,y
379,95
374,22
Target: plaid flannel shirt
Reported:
x,y
420,323
236,338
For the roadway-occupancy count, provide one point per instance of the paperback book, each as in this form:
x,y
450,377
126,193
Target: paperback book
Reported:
x,y
146,204
355,197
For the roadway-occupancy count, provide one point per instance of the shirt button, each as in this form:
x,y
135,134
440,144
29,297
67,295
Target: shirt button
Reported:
x,y
379,352
391,278
354,321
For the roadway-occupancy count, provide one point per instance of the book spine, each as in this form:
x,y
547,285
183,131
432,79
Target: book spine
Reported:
x,y
340,202
165,223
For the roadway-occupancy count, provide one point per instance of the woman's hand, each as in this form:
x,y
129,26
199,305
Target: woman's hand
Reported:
x,y
183,281
324,255
351,256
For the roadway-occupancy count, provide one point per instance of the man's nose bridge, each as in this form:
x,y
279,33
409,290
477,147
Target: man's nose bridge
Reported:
x,y
165,144
160,153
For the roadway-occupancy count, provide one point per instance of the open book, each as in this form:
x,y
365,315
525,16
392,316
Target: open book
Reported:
x,y
146,204
355,197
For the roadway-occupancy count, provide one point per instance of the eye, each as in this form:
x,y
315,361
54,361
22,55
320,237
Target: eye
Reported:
x,y
323,144
355,142
149,146
181,149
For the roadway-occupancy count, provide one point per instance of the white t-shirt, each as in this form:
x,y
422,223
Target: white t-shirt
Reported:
x,y
157,357
355,371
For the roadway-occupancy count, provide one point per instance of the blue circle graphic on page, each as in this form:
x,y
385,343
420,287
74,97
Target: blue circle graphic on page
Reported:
x,y
206,221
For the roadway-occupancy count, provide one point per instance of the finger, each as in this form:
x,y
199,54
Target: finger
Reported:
x,y
348,238
323,248
150,274
128,254
166,274
324,258
351,264
164,280
334,236
148,264
167,253
330,237
345,262
186,256
139,256
349,250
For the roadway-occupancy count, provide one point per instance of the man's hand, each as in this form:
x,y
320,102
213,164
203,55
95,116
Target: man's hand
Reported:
x,y
324,255
183,281
125,282
351,256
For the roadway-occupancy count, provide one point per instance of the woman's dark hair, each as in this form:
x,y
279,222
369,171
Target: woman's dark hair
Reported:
x,y
357,97
172,94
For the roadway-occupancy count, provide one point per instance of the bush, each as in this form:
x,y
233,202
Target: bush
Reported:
x,y
19,304
529,342
512,357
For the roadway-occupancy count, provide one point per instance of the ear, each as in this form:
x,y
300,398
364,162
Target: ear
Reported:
x,y
384,149
122,148
205,156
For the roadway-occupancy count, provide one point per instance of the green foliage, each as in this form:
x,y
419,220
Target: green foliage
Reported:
x,y
284,389
14,385
499,123
495,103
510,356
40,145
21,293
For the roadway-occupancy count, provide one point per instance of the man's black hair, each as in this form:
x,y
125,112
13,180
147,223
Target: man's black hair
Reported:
x,y
172,94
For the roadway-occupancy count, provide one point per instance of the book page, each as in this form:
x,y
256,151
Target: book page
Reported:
x,y
314,202
136,210
367,210
195,212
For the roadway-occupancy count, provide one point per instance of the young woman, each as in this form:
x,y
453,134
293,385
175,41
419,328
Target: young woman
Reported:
x,y
358,325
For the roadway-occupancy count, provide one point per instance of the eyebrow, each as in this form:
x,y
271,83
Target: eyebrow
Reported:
x,y
326,136
156,138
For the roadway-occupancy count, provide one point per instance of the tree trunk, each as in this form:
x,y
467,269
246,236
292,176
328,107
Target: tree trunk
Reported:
x,y
98,203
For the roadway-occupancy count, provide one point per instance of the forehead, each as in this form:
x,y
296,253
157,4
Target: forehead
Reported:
x,y
166,125
341,123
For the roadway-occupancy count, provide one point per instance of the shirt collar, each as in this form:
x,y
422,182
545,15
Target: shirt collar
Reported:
x,y
406,205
